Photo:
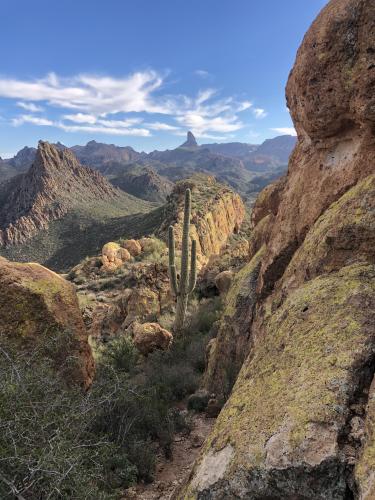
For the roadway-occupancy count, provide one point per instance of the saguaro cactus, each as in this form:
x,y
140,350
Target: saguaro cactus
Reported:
x,y
185,284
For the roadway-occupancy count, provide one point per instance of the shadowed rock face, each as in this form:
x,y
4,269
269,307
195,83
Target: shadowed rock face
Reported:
x,y
299,423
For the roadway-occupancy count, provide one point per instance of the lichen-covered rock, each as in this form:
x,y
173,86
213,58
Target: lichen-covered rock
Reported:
x,y
365,468
230,347
299,422
286,429
223,281
343,234
35,303
132,246
114,256
148,337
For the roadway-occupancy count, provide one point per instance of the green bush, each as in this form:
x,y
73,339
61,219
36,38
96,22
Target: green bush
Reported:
x,y
154,250
47,449
58,442
121,354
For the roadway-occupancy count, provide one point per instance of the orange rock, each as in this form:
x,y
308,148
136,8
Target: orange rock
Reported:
x,y
132,246
114,256
151,336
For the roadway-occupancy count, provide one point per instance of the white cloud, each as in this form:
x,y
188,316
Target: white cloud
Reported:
x,y
109,127
259,113
202,73
29,106
35,120
80,118
94,94
285,130
101,104
97,129
162,126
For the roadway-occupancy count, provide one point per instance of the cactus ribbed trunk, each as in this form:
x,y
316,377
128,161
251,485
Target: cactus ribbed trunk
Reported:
x,y
183,286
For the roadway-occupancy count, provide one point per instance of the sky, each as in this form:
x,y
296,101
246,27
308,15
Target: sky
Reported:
x,y
144,72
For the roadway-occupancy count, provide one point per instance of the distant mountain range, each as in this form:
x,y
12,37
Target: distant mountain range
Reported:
x,y
245,167
59,211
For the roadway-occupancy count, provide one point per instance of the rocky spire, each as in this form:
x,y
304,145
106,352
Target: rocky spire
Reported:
x,y
190,141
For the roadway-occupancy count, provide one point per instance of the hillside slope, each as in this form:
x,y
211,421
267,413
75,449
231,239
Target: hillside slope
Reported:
x,y
58,210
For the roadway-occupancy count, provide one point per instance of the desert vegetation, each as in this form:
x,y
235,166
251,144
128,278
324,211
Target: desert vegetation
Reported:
x,y
59,442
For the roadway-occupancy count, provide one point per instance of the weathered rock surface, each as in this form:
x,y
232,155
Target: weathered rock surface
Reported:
x,y
148,337
217,212
228,350
134,247
36,304
114,256
299,423
223,281
331,100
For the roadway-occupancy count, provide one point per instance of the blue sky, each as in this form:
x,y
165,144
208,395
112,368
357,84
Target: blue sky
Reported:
x,y
143,72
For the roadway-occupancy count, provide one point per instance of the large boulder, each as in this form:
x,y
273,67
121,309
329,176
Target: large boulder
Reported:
x,y
148,337
37,305
132,246
114,256
331,99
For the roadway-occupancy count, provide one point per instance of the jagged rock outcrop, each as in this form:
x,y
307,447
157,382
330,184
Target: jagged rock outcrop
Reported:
x,y
217,212
37,305
190,142
54,183
299,422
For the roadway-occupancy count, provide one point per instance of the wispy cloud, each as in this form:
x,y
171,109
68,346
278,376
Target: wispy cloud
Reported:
x,y
285,130
98,129
102,104
162,126
109,127
202,73
35,120
259,113
29,106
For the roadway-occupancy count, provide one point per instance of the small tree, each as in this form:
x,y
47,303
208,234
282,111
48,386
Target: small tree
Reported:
x,y
185,284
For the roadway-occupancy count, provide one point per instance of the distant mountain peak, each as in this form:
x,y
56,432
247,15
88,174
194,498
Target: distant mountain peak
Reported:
x,y
190,142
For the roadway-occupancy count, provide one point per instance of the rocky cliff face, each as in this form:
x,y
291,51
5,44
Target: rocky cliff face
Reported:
x,y
299,422
217,212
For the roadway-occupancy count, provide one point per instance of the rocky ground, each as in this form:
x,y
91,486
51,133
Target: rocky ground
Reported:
x,y
170,474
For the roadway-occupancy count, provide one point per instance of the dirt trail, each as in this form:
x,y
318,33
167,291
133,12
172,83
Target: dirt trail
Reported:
x,y
172,473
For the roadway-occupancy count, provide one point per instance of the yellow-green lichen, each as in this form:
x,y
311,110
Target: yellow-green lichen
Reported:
x,y
300,369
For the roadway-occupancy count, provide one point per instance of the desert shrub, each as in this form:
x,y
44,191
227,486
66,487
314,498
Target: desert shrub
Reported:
x,y
58,442
202,315
121,354
47,449
154,250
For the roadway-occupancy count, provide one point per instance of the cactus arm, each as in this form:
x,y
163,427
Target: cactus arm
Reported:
x,y
172,262
174,282
185,245
193,267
